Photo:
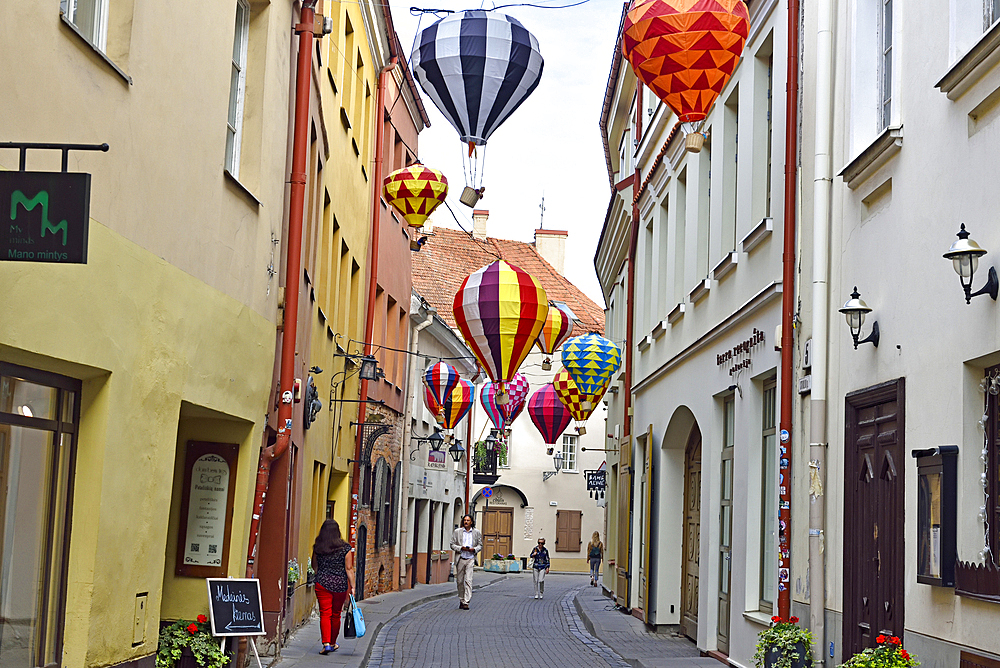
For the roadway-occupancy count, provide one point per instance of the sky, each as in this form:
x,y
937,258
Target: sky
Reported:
x,y
550,146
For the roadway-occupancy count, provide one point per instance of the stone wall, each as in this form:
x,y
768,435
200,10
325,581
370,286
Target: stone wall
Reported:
x,y
380,561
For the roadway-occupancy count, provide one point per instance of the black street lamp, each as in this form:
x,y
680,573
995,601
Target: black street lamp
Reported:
x,y
965,254
456,450
856,309
369,368
436,440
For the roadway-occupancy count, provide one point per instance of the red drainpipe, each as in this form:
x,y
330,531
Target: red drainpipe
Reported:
x,y
293,274
633,245
788,297
372,284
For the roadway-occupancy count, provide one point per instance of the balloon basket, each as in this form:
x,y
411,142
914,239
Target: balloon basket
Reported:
x,y
581,430
546,364
469,197
693,142
549,451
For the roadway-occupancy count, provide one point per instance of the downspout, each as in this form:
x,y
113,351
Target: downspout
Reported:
x,y
469,433
372,286
788,298
629,327
404,481
818,443
293,275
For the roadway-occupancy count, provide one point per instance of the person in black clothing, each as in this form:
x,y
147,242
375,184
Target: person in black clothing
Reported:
x,y
539,567
333,561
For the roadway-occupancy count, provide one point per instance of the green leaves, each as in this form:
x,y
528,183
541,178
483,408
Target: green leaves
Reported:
x,y
202,644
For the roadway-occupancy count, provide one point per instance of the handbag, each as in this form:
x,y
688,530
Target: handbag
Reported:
x,y
359,619
350,630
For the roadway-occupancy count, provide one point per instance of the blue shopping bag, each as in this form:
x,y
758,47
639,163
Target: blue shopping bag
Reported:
x,y
359,619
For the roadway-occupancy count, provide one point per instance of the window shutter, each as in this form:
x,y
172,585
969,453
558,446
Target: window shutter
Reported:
x,y
568,524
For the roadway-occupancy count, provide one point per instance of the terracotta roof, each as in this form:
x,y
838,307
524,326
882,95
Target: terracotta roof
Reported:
x,y
451,255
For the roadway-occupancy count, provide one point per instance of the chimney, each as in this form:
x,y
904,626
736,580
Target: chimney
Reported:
x,y
551,245
479,218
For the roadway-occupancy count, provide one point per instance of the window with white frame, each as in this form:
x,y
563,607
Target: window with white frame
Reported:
x,y
885,64
768,502
569,442
237,88
90,17
991,12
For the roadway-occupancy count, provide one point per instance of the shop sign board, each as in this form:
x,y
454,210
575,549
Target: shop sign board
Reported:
x,y
45,217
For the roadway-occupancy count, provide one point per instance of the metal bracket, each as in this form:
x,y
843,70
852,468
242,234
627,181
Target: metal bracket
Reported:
x,y
548,474
65,148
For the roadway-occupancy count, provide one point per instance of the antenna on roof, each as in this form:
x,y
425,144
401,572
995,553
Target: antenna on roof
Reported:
x,y
541,221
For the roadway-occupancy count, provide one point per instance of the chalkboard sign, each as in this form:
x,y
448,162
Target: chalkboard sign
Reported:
x,y
234,607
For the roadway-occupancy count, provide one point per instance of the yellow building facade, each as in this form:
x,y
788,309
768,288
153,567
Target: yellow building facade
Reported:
x,y
112,372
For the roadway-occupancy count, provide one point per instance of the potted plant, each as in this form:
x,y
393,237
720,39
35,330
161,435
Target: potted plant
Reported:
x,y
496,564
513,565
187,644
784,645
889,653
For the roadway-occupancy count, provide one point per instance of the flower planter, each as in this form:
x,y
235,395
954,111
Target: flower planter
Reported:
x,y
513,566
495,565
774,654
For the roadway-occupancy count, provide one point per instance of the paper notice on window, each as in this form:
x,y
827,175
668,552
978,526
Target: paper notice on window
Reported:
x,y
206,521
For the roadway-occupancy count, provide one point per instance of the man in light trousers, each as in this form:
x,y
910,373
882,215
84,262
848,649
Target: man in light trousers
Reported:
x,y
466,542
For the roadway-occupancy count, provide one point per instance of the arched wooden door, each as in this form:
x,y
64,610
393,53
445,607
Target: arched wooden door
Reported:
x,y
692,534
359,571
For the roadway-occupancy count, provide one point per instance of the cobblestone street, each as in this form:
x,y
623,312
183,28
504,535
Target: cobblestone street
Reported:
x,y
573,625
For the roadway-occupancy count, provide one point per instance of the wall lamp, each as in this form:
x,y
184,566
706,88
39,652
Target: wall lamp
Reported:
x,y
456,450
965,254
855,309
369,368
435,440
557,462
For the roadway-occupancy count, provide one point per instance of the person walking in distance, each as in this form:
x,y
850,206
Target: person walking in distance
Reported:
x,y
539,567
595,554
333,561
467,541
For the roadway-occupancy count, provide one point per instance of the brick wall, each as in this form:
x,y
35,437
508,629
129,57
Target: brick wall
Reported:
x,y
380,561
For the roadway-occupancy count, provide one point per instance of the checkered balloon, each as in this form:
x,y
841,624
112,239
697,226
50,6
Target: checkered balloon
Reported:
x,y
591,360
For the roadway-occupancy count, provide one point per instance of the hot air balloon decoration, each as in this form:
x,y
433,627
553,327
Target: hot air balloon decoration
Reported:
x,y
579,405
415,192
548,413
458,404
685,51
557,328
500,309
478,67
440,379
591,360
495,412
517,391
432,405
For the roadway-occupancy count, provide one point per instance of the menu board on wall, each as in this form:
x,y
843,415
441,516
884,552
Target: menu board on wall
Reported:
x,y
206,509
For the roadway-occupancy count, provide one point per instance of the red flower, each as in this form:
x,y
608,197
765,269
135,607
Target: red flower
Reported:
x,y
775,619
880,639
903,653
793,620
895,641
202,619
192,628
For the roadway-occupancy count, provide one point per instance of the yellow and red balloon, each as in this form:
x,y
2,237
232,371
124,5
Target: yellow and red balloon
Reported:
x,y
415,192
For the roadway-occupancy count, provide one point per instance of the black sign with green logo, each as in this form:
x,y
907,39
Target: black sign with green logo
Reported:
x,y
44,216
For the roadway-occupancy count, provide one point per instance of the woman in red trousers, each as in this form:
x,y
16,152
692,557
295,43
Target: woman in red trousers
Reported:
x,y
333,561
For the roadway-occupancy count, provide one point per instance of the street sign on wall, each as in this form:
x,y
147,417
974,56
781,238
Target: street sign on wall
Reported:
x,y
44,216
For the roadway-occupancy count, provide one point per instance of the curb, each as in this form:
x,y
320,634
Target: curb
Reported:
x,y
409,606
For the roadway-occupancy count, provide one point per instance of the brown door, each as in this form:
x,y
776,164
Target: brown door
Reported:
x,y
726,524
498,531
873,511
568,523
692,534
624,554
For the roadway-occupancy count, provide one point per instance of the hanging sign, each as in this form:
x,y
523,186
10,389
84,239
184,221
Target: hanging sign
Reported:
x,y
436,460
44,216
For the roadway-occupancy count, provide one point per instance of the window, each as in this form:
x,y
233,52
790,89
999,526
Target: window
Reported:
x,y
237,88
569,452
39,420
885,64
991,502
991,13
90,17
768,502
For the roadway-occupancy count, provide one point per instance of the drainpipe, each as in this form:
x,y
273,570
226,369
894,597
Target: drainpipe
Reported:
x,y
469,434
404,482
788,293
372,285
630,326
293,274
822,188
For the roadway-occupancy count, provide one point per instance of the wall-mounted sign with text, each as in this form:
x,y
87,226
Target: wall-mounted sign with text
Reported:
x,y
206,509
740,356
44,216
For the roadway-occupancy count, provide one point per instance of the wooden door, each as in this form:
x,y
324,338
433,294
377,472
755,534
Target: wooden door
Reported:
x,y
568,525
874,497
692,535
624,552
498,531
642,592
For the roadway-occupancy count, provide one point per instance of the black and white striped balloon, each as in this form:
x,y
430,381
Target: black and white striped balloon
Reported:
x,y
478,66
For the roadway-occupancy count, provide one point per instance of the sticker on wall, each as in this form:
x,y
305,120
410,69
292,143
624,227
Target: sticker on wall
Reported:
x,y
782,586
783,574
784,553
781,478
784,436
784,462
781,490
784,505
781,526
784,450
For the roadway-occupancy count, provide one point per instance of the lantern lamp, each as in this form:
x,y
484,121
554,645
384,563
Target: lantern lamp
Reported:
x,y
557,460
436,440
855,310
456,450
965,254
369,368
